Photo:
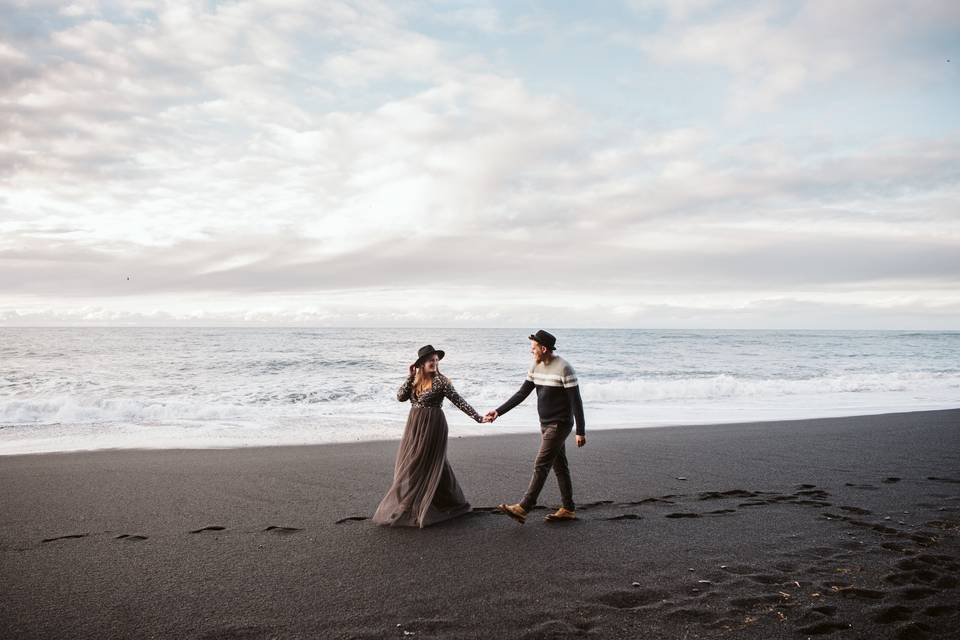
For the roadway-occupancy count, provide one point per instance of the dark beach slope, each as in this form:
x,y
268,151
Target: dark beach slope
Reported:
x,y
845,528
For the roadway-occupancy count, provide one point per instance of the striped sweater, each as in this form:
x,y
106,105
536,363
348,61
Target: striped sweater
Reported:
x,y
558,393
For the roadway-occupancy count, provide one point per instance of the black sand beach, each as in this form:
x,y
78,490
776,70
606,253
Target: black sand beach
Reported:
x,y
843,528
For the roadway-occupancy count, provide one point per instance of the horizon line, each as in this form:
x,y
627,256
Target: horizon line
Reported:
x,y
446,327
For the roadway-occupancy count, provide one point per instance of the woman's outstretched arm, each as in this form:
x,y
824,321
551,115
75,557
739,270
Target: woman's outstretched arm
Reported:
x,y
451,394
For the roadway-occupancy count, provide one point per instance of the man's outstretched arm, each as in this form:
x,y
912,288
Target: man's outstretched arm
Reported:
x,y
517,398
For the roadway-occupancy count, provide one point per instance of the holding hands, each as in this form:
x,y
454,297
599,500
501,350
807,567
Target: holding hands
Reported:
x,y
491,416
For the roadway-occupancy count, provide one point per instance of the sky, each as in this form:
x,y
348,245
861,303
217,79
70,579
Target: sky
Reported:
x,y
636,163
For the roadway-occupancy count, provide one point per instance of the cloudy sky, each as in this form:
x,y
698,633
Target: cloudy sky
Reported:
x,y
641,163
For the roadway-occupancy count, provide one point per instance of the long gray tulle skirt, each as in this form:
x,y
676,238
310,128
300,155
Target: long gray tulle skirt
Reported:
x,y
424,489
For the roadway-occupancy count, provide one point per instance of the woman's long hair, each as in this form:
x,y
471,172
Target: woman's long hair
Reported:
x,y
423,382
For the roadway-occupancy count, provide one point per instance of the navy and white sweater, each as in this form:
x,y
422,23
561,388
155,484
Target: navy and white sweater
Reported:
x,y
558,393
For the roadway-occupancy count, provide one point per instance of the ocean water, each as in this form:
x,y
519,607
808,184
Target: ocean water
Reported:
x,y
65,389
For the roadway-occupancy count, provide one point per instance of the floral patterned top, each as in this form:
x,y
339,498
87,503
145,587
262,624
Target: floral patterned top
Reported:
x,y
433,397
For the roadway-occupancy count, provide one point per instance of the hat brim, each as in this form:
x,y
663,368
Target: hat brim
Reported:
x,y
439,352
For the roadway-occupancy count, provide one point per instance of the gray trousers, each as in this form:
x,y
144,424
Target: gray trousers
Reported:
x,y
552,455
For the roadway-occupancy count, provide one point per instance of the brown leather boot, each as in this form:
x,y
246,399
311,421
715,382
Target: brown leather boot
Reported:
x,y
561,515
515,511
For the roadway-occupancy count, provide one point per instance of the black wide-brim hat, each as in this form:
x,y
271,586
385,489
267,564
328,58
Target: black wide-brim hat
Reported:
x,y
545,338
427,351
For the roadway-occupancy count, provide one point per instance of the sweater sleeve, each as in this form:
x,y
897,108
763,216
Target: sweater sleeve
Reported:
x,y
521,395
572,388
451,394
403,393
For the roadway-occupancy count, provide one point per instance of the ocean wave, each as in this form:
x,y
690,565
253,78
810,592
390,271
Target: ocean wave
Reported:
x,y
727,386
340,395
263,409
71,410
712,390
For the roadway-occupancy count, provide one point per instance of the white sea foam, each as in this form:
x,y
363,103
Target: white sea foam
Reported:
x,y
84,388
946,386
633,393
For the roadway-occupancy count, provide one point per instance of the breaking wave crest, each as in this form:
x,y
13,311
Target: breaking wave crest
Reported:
x,y
727,386
70,409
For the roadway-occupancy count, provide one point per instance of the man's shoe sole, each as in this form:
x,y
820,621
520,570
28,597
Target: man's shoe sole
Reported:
x,y
553,518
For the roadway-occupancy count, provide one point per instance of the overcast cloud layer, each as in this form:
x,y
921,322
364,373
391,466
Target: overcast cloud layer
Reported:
x,y
668,164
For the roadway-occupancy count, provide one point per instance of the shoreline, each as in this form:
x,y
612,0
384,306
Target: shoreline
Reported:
x,y
751,530
514,431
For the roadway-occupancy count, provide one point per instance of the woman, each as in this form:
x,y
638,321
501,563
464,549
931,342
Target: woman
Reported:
x,y
424,489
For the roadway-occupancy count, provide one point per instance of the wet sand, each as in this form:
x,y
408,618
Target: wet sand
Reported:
x,y
846,528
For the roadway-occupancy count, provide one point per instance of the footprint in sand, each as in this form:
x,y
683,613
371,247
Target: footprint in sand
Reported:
x,y
816,494
132,537
857,510
683,514
625,516
845,590
351,519
663,500
283,531
813,503
914,631
692,614
556,629
66,537
756,602
899,579
823,628
893,614
945,525
213,527
863,594
916,593
632,599
741,570
598,503
733,493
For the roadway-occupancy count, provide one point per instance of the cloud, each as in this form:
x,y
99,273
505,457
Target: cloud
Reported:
x,y
481,18
432,309
674,9
773,51
195,121
229,155
253,266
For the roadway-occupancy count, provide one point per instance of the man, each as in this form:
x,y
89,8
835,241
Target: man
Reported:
x,y
559,404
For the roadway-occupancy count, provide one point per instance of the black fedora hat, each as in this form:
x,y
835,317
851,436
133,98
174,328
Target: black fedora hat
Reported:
x,y
427,351
545,338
